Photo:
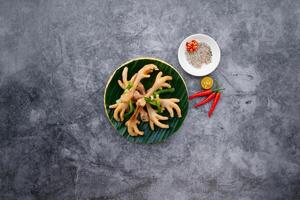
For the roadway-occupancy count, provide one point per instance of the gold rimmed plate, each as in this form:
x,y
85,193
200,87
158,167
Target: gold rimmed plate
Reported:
x,y
113,92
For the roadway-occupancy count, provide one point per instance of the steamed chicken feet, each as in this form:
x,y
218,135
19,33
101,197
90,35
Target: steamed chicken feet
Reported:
x,y
139,92
154,118
133,122
170,104
160,82
119,111
135,95
144,115
124,83
142,73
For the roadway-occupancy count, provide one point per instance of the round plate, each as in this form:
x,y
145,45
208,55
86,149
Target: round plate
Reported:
x,y
205,69
113,92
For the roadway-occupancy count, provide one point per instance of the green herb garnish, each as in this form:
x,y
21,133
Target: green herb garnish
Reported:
x,y
131,109
154,102
164,91
129,85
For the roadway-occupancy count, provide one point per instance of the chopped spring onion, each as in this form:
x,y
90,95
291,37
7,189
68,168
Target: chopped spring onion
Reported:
x,y
155,103
129,85
131,109
151,101
163,91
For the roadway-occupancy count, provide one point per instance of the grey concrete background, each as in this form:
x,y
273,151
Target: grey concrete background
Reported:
x,y
56,143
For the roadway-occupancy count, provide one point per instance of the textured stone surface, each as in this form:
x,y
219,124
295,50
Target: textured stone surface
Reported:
x,y
56,143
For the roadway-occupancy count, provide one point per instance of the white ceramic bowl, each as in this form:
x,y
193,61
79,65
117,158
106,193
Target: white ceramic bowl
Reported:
x,y
205,69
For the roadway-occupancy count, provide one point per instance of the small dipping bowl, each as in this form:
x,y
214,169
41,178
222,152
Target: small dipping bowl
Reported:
x,y
205,69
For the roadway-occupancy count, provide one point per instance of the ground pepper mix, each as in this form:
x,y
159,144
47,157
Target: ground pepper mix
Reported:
x,y
201,55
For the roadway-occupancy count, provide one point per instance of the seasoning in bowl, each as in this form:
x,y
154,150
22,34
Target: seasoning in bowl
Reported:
x,y
198,53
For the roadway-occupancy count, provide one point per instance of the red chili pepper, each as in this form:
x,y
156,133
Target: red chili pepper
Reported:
x,y
208,99
215,102
192,46
201,94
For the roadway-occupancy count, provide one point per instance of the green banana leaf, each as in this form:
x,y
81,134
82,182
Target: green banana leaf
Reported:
x,y
113,92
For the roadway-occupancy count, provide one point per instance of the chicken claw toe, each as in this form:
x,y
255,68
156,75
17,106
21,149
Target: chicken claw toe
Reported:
x,y
154,118
132,124
170,105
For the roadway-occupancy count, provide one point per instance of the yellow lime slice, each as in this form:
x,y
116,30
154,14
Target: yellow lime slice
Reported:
x,y
207,82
